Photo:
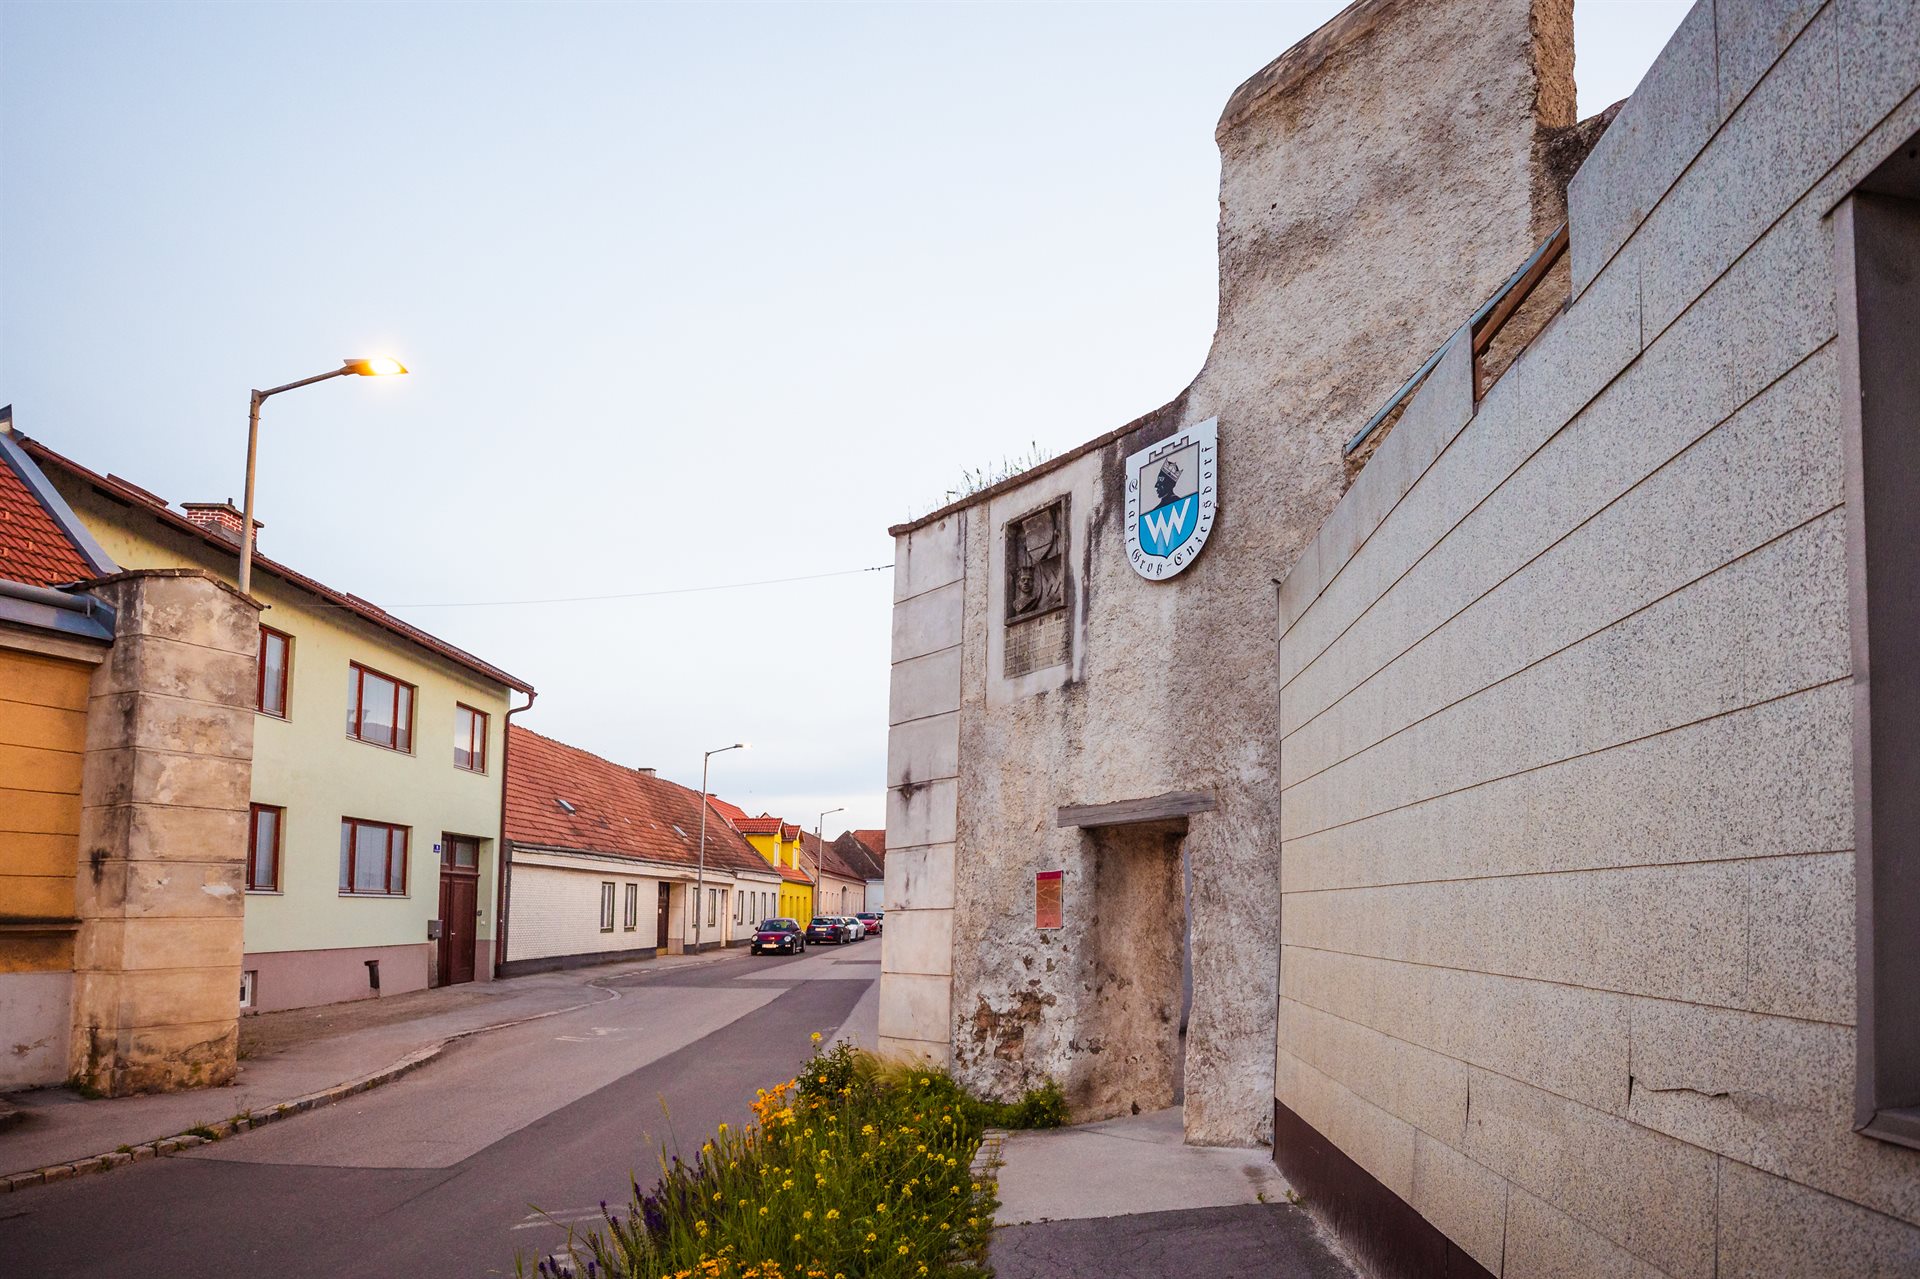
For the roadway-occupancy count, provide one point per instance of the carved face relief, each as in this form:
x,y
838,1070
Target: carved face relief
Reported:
x,y
1037,562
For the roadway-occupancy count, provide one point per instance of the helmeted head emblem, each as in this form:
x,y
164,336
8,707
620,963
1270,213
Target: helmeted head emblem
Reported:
x,y
1172,492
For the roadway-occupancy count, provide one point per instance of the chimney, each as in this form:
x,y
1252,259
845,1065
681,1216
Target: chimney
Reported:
x,y
223,518
647,772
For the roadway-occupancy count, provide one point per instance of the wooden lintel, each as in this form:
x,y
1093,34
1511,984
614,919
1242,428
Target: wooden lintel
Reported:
x,y
1519,291
1132,812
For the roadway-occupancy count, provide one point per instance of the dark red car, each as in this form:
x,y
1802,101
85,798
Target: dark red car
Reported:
x,y
778,936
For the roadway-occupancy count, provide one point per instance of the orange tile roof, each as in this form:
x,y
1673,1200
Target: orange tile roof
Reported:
x,y
854,858
34,549
875,840
617,811
793,876
124,491
761,825
732,813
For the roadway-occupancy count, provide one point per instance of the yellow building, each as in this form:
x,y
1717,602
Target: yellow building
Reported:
x,y
377,769
780,843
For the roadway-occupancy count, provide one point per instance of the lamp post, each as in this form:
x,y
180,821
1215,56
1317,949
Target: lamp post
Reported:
x,y
379,366
820,838
700,879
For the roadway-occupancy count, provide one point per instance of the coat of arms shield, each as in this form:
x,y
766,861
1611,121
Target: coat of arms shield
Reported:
x,y
1172,491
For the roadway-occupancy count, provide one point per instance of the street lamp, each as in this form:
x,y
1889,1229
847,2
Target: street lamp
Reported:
x,y
820,838
376,366
700,879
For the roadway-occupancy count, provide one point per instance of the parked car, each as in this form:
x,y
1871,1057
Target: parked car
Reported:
x,y
829,929
872,919
859,926
778,936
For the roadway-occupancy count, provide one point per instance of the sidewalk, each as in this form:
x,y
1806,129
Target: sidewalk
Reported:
x,y
1126,1197
310,1054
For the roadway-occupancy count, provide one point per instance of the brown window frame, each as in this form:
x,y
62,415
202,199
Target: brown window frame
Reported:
x,y
349,871
253,844
357,673
606,905
477,760
286,673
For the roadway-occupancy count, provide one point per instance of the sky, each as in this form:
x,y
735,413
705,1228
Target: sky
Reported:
x,y
693,296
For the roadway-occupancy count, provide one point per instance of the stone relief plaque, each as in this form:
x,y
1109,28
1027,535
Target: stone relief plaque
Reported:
x,y
1036,591
1037,562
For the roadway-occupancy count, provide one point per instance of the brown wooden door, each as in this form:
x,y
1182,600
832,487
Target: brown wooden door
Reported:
x,y
459,907
666,900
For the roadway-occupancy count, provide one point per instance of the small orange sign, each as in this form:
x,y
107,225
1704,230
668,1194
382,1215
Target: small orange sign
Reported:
x,y
1046,899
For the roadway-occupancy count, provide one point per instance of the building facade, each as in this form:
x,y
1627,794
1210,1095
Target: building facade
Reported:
x,y
1530,737
840,888
1023,634
780,845
864,855
374,824
605,863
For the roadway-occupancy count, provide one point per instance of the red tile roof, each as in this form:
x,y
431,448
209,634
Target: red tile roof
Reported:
x,y
856,859
793,876
761,825
34,549
728,811
617,811
875,840
124,491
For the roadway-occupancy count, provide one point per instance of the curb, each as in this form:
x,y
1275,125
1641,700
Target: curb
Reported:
x,y
987,1160
247,1121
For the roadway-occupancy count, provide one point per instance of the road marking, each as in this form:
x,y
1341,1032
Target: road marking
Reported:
x,y
562,1217
597,1032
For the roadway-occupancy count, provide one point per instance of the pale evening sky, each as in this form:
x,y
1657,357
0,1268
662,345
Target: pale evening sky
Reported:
x,y
692,294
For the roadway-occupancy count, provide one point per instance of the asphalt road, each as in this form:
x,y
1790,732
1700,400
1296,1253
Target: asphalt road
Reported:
x,y
489,1152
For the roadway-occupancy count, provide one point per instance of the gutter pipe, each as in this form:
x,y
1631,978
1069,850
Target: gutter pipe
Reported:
x,y
504,891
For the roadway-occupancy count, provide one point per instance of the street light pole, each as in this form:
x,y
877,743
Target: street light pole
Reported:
x,y
700,876
378,367
820,838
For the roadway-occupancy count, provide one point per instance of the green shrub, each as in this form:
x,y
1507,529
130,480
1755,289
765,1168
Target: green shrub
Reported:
x,y
856,1169
1042,1107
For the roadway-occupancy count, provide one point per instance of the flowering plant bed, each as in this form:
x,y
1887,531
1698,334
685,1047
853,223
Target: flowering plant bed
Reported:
x,y
855,1169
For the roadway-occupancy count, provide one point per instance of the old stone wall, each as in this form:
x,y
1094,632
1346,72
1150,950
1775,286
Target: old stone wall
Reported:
x,y
1378,182
1565,721
163,834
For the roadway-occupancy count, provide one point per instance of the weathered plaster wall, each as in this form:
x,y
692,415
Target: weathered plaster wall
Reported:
x,y
1378,182
1565,721
163,822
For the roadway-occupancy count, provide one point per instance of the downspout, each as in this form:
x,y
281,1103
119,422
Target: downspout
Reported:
x,y
504,893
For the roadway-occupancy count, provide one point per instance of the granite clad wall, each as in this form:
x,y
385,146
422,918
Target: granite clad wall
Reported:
x,y
1399,144
1565,760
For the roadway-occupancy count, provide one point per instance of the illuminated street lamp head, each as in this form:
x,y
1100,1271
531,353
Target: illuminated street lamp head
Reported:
x,y
743,746
375,366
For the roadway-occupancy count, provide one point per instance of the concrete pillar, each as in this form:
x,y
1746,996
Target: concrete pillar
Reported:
x,y
163,833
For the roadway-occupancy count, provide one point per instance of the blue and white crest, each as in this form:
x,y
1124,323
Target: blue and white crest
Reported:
x,y
1172,492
